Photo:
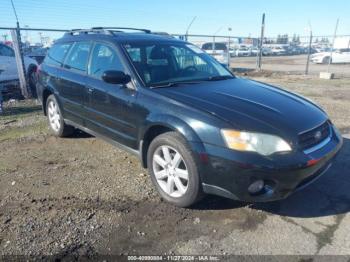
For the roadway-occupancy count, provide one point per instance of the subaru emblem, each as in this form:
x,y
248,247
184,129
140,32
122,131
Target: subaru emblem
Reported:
x,y
318,135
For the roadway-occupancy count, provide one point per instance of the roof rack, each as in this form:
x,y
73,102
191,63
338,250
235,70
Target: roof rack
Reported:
x,y
120,29
104,30
87,31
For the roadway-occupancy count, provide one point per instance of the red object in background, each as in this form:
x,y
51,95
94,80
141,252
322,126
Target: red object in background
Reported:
x,y
9,43
312,162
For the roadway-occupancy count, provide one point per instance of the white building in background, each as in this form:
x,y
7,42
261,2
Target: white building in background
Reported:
x,y
342,42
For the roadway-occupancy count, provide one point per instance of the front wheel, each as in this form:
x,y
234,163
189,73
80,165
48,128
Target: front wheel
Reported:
x,y
55,118
173,169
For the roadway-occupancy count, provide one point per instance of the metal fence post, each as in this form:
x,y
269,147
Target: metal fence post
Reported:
x,y
228,53
16,38
261,42
308,55
332,49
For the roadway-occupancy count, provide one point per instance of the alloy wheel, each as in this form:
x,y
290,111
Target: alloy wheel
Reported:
x,y
54,116
170,171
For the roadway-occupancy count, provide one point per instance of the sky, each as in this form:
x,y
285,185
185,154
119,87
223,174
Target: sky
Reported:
x,y
243,17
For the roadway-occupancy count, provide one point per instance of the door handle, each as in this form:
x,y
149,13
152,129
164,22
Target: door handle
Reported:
x,y
90,90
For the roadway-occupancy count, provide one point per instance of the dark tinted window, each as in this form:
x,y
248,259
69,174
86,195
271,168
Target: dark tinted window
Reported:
x,y
78,56
103,58
57,53
217,46
6,51
159,64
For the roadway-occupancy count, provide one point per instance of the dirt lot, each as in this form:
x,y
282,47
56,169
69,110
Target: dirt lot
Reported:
x,y
289,64
80,195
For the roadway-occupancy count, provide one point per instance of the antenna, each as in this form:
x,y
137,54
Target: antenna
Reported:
x,y
14,10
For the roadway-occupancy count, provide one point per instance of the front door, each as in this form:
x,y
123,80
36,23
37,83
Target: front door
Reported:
x,y
111,107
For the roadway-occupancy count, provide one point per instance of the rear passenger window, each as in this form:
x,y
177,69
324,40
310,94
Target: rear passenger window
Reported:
x,y
104,58
56,54
78,56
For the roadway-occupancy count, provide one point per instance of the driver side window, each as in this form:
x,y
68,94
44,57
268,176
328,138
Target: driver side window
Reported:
x,y
185,59
103,58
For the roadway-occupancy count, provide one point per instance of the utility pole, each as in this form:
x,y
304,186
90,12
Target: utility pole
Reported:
x,y
258,63
16,38
228,49
334,36
213,44
309,51
41,37
189,26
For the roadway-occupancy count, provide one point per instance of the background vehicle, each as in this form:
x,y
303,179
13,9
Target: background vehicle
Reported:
x,y
233,52
266,51
217,50
278,50
243,51
9,70
254,51
38,54
338,56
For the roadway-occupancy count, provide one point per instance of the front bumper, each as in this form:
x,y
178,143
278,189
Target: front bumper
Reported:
x,y
229,173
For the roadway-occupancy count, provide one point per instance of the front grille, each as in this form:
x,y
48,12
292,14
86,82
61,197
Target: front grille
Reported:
x,y
309,139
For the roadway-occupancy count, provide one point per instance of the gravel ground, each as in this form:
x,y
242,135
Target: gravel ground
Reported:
x,y
80,196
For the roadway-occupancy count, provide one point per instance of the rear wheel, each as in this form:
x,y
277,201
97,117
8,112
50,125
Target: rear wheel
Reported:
x,y
173,170
55,118
32,81
327,60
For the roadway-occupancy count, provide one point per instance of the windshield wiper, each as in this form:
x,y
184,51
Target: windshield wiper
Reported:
x,y
218,78
171,84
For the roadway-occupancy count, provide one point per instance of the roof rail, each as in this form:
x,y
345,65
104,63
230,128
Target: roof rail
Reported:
x,y
88,31
147,31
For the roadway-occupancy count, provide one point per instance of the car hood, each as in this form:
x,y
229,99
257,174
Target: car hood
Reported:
x,y
250,105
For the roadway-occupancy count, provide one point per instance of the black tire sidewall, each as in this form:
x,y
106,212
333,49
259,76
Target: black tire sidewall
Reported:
x,y
32,82
176,141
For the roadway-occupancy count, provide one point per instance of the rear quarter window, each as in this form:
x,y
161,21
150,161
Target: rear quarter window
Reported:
x,y
57,53
78,56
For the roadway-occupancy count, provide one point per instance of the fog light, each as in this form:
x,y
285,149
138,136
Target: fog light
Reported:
x,y
256,186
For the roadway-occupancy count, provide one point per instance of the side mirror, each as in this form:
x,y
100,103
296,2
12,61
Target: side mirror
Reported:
x,y
115,77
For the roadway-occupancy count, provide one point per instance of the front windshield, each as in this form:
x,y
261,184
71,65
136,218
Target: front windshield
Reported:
x,y
165,63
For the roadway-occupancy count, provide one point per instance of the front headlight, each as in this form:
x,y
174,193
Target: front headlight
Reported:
x,y
263,144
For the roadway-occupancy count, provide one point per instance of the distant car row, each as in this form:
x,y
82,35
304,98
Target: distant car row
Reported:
x,y
319,55
220,48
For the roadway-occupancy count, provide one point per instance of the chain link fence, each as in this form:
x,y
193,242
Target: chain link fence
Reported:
x,y
282,54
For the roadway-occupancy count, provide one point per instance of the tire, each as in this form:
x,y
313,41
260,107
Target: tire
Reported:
x,y
175,144
32,81
326,60
55,119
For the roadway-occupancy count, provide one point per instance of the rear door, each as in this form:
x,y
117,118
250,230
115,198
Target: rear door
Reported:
x,y
71,82
111,107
